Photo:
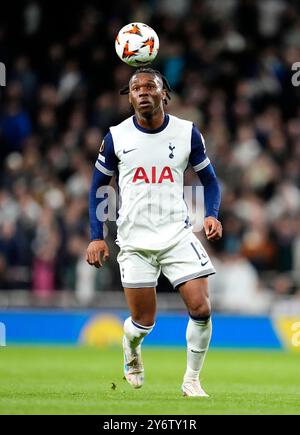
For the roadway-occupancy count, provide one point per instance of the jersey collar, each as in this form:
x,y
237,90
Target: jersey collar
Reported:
x,y
150,130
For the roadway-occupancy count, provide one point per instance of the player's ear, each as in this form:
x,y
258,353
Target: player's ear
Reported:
x,y
129,98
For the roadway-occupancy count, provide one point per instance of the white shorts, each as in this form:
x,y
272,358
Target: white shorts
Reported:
x,y
180,263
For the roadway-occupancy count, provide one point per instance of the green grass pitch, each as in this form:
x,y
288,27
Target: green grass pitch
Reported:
x,y
79,380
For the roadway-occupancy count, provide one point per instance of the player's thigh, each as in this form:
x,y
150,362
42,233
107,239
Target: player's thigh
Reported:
x,y
142,304
138,269
195,295
186,261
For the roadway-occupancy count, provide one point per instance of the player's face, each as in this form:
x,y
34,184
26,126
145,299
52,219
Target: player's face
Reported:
x,y
146,93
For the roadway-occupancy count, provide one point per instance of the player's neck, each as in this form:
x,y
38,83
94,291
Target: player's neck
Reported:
x,y
151,121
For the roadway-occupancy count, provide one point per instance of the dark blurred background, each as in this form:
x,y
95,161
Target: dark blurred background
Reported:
x,y
229,64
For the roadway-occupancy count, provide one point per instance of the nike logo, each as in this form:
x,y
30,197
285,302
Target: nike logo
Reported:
x,y
203,264
128,151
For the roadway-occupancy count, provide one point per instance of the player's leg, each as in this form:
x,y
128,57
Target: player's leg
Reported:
x,y
142,305
139,274
198,333
187,266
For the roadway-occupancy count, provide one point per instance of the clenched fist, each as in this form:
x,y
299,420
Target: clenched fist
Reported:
x,y
213,228
96,253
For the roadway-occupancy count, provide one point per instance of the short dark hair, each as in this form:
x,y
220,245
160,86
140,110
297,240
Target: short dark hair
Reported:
x,y
166,85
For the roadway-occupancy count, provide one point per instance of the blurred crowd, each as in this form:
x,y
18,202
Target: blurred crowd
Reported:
x,y
229,63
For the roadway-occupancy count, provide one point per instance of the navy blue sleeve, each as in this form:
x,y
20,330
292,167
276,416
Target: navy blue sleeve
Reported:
x,y
212,193
105,167
198,158
107,161
97,213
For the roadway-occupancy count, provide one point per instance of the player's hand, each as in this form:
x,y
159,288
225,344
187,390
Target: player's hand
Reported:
x,y
213,228
96,253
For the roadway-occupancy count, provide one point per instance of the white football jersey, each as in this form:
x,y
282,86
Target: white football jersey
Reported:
x,y
149,166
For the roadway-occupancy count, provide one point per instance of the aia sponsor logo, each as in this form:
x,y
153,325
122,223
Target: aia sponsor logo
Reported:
x,y
154,176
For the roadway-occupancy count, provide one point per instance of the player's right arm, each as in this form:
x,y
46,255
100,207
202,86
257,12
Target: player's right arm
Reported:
x,y
105,166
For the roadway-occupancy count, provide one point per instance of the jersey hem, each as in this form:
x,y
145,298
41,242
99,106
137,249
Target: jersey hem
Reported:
x,y
169,245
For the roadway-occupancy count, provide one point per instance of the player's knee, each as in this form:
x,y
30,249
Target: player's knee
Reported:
x,y
201,310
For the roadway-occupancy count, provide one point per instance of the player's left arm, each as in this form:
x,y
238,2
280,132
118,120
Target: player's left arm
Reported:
x,y
208,178
212,200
